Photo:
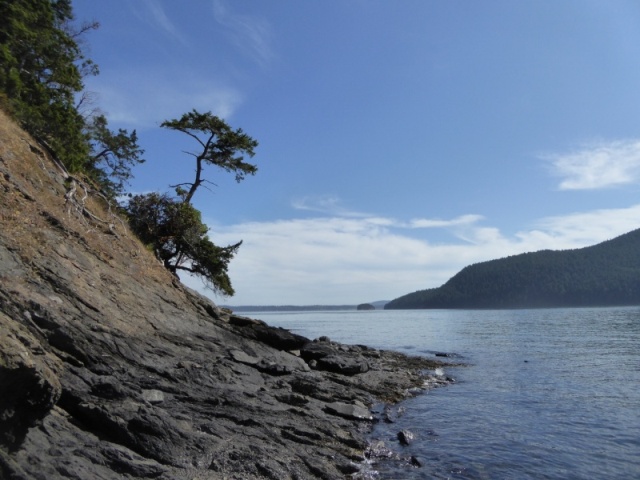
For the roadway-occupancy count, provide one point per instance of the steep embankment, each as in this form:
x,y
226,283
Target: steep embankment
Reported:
x,y
110,368
601,275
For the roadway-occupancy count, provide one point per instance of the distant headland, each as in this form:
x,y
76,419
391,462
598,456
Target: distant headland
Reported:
x,y
606,274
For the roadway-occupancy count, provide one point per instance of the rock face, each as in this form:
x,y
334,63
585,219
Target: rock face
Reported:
x,y
111,369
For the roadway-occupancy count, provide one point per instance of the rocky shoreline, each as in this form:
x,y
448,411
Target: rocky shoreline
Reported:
x,y
111,369
239,402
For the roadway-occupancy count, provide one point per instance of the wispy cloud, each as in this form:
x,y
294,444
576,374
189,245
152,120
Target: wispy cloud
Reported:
x,y
155,14
334,260
583,228
597,166
144,97
250,34
438,223
326,204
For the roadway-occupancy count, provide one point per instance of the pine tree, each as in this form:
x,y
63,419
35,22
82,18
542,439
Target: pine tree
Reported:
x,y
41,71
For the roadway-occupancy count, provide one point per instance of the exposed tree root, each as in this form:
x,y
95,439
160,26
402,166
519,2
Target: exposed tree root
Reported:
x,y
77,194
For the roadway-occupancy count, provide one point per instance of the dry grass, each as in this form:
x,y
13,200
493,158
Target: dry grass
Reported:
x,y
33,204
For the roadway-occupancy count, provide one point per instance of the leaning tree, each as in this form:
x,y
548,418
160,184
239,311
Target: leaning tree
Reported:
x,y
220,146
172,226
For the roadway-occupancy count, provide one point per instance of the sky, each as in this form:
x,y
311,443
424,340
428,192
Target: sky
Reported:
x,y
399,141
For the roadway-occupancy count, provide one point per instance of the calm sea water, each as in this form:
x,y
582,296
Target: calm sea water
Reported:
x,y
548,394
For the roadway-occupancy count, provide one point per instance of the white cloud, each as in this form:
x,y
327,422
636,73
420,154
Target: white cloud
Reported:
x,y
250,34
596,166
584,228
339,260
437,223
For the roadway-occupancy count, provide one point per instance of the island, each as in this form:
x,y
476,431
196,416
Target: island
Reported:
x,y
365,306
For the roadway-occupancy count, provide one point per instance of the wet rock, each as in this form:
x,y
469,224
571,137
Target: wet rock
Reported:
x,y
405,437
416,461
390,414
348,468
378,449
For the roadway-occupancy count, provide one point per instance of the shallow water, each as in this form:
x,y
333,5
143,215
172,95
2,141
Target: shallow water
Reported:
x,y
549,394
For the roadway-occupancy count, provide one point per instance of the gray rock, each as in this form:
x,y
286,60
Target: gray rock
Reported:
x,y
353,412
110,368
405,437
317,350
242,357
29,381
153,396
346,365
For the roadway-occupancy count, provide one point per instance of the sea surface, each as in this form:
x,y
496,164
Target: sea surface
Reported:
x,y
547,394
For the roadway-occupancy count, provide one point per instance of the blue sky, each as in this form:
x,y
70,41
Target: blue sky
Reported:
x,y
399,141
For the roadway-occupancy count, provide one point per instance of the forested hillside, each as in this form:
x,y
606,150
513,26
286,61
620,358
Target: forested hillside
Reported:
x,y
604,274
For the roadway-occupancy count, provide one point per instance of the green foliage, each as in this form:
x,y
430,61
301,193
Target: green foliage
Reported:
x,y
604,274
41,69
221,146
113,155
179,239
173,226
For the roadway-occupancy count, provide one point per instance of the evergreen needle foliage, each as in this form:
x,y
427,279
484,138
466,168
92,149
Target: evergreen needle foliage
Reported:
x,y
42,67
173,226
174,229
220,146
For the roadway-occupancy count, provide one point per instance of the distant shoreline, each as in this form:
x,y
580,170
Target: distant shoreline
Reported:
x,y
379,305
290,308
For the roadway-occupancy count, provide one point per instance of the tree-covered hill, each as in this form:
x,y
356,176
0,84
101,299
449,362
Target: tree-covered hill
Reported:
x,y
603,274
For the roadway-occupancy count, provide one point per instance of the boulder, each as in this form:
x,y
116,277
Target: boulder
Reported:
x,y
344,364
333,357
405,437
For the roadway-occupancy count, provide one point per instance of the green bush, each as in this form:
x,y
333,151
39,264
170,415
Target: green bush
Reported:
x,y
174,229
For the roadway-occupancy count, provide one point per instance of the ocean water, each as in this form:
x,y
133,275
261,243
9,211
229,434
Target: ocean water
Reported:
x,y
547,394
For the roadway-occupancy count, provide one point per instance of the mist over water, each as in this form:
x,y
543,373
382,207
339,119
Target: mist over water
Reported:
x,y
551,394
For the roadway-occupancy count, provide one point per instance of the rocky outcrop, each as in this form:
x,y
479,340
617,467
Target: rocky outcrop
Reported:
x,y
111,369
